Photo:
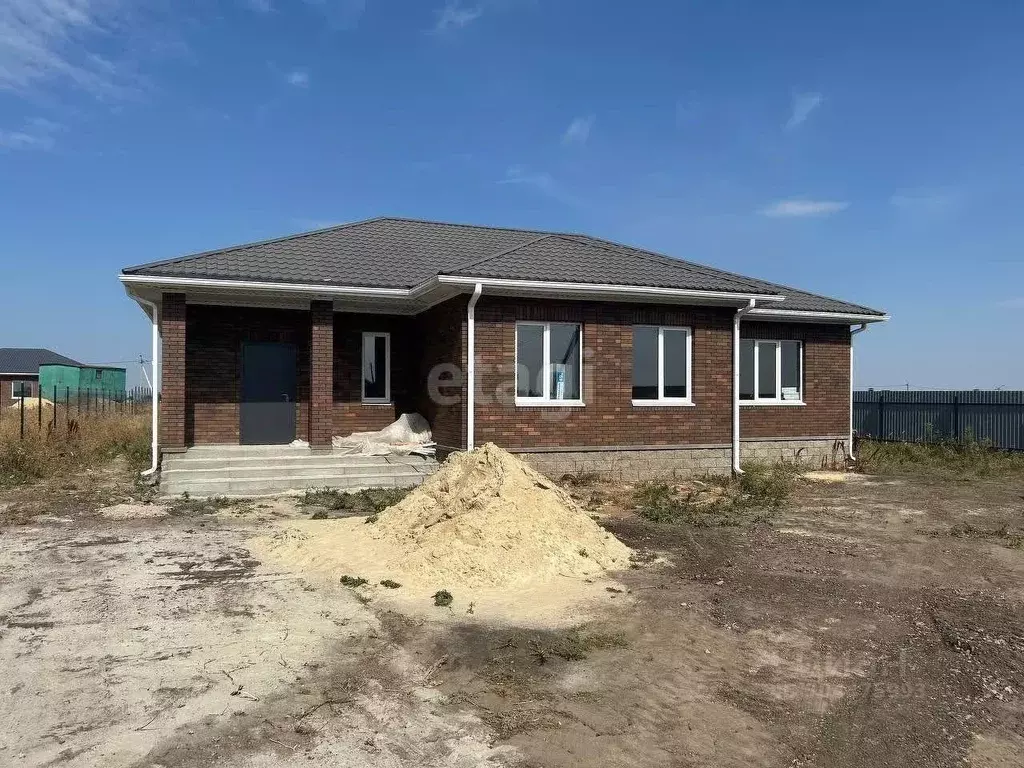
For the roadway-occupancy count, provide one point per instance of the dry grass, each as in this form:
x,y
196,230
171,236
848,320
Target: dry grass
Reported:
x,y
947,459
75,443
719,500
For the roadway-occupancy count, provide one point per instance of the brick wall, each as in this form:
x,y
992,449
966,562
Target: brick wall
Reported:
x,y
214,364
609,418
172,372
826,383
440,374
350,413
5,387
321,373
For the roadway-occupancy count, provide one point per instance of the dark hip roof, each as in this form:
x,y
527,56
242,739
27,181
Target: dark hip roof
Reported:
x,y
23,360
403,253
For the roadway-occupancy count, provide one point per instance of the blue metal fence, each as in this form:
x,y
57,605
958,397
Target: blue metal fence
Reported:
x,y
994,417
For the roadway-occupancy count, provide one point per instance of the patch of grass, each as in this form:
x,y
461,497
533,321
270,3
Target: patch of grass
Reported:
x,y
390,584
579,478
369,502
188,505
72,444
959,460
443,598
718,501
575,645
353,581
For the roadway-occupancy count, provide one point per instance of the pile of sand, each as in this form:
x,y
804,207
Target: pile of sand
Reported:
x,y
485,522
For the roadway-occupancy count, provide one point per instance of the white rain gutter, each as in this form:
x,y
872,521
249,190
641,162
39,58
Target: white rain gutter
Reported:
x,y
849,444
736,385
155,444
471,366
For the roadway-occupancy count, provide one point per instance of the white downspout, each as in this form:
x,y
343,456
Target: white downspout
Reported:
x,y
471,366
736,385
849,444
155,447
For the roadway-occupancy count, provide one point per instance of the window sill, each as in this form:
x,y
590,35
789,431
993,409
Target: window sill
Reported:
x,y
536,403
786,403
376,402
663,403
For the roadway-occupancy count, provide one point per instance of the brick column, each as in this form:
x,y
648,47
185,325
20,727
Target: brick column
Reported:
x,y
172,373
321,375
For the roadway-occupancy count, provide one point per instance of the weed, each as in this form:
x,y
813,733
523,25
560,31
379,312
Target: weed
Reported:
x,y
443,598
74,443
584,553
320,514
187,505
363,599
369,502
389,584
959,460
371,519
718,501
353,581
579,478
575,645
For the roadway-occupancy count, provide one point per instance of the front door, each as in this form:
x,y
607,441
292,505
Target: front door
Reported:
x,y
267,410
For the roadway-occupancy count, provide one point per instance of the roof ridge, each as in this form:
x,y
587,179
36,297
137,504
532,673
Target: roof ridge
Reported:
x,y
467,225
240,246
477,262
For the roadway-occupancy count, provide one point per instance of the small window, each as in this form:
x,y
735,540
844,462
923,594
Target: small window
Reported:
x,y
21,389
376,368
771,371
548,363
661,365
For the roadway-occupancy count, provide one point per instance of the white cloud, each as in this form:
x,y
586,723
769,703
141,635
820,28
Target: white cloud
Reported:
x,y
37,133
49,40
578,131
456,16
927,201
541,181
803,105
1017,303
802,208
298,77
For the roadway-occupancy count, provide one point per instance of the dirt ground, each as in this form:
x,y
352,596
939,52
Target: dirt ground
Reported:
x,y
875,622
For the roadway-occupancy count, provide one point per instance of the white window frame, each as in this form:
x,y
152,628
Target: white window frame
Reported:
x,y
661,399
386,400
22,382
545,399
777,400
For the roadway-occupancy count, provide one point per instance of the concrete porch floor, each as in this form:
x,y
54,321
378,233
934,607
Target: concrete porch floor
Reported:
x,y
262,470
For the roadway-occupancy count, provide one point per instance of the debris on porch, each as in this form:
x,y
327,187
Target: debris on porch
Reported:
x,y
409,435
486,527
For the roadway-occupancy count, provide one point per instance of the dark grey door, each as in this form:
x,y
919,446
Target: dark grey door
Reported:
x,y
267,411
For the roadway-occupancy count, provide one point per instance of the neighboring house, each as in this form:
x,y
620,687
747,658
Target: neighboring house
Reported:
x,y
19,371
573,350
64,381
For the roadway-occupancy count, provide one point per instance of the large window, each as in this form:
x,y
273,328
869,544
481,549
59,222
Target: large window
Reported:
x,y
661,365
376,368
771,371
548,363
21,389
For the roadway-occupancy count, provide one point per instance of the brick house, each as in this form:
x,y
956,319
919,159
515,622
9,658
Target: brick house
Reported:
x,y
573,350
19,371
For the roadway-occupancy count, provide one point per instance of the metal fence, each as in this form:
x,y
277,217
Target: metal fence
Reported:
x,y
993,417
61,410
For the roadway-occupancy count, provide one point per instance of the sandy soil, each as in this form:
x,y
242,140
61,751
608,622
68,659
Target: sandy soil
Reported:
x,y
876,622
163,642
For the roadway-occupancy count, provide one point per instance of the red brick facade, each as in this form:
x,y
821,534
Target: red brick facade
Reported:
x,y
172,372
321,372
7,381
202,375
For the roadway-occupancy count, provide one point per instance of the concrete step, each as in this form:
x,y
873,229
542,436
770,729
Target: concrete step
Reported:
x,y
210,461
270,484
296,471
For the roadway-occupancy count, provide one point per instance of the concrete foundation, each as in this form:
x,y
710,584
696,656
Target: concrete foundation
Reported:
x,y
648,463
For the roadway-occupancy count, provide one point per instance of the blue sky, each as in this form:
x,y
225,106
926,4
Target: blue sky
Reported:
x,y
870,151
